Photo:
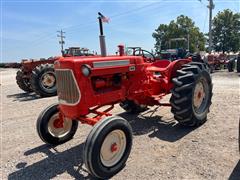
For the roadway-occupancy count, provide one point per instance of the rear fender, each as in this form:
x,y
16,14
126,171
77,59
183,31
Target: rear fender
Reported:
x,y
174,66
171,71
166,75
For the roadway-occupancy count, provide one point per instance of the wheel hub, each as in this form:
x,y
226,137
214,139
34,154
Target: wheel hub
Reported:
x,y
48,80
58,123
59,128
199,95
113,148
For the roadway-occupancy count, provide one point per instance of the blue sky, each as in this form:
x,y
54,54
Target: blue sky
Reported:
x,y
29,26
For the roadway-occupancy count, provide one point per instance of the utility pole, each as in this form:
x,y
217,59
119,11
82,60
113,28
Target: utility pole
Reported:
x,y
62,42
187,29
211,7
161,36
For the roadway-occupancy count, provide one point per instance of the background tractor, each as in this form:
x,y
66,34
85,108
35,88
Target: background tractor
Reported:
x,y
234,63
173,54
89,87
38,75
77,51
217,61
179,52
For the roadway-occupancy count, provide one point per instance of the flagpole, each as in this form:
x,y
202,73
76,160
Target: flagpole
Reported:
x,y
100,26
102,37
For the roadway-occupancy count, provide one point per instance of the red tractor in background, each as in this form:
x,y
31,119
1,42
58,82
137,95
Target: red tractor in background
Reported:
x,y
234,63
77,51
38,75
217,61
89,87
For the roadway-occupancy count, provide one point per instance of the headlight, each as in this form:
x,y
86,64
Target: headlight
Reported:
x,y
86,70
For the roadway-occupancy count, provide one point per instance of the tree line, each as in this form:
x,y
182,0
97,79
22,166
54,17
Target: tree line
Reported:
x,y
225,32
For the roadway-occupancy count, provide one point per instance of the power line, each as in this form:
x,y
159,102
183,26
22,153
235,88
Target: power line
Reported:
x,y
74,28
202,3
84,25
50,36
42,37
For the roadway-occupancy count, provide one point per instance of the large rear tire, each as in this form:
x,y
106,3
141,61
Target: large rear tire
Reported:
x,y
52,130
191,94
107,147
22,82
131,107
43,80
230,65
238,64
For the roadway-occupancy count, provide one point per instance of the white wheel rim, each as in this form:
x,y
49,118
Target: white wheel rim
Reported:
x,y
113,148
199,95
59,132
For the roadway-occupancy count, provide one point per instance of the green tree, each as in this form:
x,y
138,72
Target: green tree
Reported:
x,y
181,28
226,31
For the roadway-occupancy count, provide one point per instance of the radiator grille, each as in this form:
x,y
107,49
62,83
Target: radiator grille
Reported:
x,y
68,91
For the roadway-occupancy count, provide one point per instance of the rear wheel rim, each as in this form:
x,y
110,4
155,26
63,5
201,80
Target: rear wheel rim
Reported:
x,y
57,128
113,148
48,81
200,96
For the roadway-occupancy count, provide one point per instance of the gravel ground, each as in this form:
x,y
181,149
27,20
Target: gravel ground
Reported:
x,y
161,148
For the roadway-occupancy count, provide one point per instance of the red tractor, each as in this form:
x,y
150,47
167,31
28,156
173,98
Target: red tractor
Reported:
x,y
217,61
38,75
77,51
88,88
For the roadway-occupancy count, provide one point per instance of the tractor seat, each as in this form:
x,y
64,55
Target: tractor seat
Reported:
x,y
159,66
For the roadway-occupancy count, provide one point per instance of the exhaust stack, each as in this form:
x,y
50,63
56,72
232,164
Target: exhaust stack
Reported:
x,y
101,36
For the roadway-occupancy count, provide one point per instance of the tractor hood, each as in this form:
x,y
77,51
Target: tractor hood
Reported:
x,y
84,82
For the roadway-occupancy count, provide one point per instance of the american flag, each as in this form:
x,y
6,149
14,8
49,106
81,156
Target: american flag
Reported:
x,y
104,18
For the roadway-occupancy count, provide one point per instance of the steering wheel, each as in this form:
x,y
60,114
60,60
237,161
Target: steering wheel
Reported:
x,y
148,56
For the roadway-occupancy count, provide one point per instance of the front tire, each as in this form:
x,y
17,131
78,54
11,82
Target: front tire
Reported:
x,y
52,130
107,147
43,80
191,94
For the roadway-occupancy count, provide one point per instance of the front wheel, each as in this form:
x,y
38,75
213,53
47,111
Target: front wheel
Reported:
x,y
191,94
52,130
107,147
